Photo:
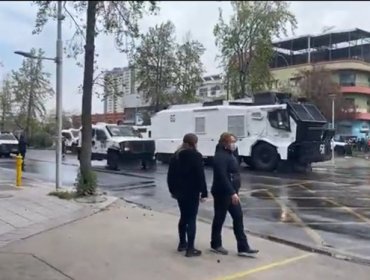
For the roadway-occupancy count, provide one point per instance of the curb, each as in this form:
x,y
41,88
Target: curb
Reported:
x,y
100,169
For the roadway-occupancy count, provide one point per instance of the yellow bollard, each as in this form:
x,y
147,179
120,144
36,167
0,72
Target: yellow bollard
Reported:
x,y
19,162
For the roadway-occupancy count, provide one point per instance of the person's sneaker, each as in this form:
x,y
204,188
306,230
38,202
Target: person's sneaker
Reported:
x,y
220,250
248,253
182,247
193,253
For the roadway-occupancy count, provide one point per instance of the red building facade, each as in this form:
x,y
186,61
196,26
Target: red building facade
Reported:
x,y
112,118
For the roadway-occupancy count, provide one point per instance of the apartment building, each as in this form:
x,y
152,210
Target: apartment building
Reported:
x,y
213,86
346,54
114,88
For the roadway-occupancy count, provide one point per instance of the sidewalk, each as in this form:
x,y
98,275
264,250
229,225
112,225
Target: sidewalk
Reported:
x,y
127,242
30,210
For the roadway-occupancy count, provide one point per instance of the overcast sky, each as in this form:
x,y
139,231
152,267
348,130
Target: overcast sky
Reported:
x,y
17,22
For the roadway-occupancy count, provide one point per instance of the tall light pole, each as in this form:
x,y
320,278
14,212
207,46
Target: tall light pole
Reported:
x,y
59,68
59,92
332,96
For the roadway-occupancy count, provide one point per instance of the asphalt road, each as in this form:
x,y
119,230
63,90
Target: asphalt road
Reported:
x,y
328,208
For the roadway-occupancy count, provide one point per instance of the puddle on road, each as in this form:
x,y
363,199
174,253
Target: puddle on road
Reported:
x,y
261,194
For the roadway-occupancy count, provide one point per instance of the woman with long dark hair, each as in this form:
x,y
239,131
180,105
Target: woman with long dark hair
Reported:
x,y
187,184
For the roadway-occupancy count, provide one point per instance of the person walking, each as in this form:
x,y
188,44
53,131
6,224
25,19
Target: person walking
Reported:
x,y
225,188
187,184
22,148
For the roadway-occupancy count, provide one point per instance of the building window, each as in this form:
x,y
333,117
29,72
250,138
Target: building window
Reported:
x,y
350,102
203,91
200,125
347,78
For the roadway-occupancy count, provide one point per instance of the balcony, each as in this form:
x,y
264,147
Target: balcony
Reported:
x,y
358,88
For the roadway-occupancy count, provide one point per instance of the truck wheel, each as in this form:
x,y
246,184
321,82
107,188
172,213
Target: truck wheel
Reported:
x,y
340,151
265,157
112,160
248,161
74,149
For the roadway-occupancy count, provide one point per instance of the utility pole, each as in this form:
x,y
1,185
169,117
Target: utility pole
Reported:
x,y
59,100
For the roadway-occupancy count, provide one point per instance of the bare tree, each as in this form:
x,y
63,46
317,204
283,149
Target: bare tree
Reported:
x,y
317,85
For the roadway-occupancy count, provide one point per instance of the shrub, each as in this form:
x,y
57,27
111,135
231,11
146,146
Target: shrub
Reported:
x,y
41,140
86,186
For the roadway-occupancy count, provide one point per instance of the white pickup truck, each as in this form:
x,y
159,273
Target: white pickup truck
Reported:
x,y
8,144
339,145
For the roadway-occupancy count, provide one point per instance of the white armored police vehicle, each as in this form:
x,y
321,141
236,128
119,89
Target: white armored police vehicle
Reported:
x,y
71,137
119,144
269,129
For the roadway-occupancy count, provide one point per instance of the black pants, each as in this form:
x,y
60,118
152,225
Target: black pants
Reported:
x,y
23,154
222,205
188,217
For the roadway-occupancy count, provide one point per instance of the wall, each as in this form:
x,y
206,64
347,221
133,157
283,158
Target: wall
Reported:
x,y
95,118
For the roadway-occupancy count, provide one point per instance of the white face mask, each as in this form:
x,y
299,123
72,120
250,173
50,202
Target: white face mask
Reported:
x,y
233,146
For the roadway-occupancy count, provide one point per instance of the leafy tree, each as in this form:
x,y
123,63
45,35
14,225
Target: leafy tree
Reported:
x,y
155,63
108,17
6,103
32,88
246,42
189,69
317,85
50,126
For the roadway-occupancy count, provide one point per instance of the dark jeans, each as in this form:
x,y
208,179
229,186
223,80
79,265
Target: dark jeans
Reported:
x,y
23,154
187,223
222,205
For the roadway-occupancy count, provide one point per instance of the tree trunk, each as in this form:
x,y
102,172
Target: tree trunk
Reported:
x,y
85,156
29,115
242,84
3,117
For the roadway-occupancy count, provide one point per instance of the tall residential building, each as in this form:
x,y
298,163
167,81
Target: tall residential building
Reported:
x,y
121,94
114,88
346,54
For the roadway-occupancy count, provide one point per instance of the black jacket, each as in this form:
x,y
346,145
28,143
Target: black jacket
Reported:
x,y
22,144
226,175
185,177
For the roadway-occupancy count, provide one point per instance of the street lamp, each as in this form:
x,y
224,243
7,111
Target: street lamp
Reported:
x,y
332,96
59,68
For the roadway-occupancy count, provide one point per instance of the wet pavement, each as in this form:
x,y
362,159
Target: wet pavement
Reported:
x,y
328,208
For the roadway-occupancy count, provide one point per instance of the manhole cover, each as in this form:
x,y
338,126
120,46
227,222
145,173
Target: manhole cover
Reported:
x,y
5,196
91,199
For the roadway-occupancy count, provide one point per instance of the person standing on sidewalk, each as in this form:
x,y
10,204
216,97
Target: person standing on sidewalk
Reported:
x,y
22,148
225,188
187,184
